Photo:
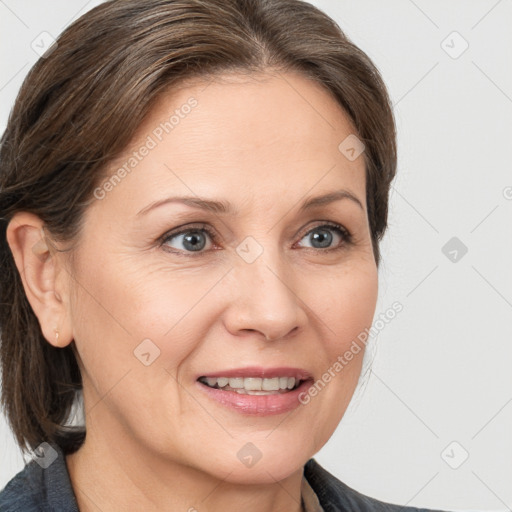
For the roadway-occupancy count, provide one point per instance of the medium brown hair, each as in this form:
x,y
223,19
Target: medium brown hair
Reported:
x,y
80,106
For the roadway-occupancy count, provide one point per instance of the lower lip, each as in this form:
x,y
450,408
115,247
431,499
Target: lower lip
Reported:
x,y
257,405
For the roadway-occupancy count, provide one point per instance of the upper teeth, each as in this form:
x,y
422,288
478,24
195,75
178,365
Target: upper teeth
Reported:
x,y
252,383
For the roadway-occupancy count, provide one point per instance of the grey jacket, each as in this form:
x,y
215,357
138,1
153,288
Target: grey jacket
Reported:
x,y
35,489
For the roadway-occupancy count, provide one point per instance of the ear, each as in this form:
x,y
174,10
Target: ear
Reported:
x,y
45,280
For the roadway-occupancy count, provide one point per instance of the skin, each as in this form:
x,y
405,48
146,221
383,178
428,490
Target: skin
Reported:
x,y
154,441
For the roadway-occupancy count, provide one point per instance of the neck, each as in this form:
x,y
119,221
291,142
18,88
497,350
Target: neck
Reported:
x,y
116,474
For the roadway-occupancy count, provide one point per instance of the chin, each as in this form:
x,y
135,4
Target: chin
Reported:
x,y
250,466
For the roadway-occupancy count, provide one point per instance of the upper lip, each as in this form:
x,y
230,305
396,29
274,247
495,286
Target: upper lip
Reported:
x,y
261,372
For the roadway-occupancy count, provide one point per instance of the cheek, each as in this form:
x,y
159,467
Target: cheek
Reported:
x,y
120,317
346,304
174,308
127,303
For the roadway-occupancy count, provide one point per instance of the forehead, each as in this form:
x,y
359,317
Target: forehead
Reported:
x,y
268,136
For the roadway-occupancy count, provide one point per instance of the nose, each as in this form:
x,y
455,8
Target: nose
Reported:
x,y
264,300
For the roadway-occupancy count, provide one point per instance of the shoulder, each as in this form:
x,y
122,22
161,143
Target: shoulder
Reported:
x,y
40,486
336,496
23,492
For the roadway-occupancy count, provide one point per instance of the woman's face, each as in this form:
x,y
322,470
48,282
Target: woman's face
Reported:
x,y
262,289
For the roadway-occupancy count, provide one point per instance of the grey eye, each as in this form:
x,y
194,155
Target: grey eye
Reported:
x,y
321,237
192,240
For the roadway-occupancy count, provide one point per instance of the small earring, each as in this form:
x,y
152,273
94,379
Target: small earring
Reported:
x,y
56,334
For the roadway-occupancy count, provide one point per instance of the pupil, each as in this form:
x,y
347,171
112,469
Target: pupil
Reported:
x,y
192,240
324,236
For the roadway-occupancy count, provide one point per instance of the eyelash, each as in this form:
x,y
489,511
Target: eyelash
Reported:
x,y
342,231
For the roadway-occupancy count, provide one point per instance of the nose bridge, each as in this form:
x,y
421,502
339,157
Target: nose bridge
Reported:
x,y
262,261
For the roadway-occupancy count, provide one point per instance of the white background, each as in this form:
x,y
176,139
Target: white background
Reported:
x,y
441,371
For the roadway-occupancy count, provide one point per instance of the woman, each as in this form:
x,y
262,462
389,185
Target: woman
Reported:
x,y
193,193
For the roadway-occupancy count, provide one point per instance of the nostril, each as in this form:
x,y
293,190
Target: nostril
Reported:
x,y
254,330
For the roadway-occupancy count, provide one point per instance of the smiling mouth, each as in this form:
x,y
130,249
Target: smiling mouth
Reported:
x,y
253,385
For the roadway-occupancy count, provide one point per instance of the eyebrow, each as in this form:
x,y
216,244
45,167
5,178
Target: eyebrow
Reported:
x,y
224,207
